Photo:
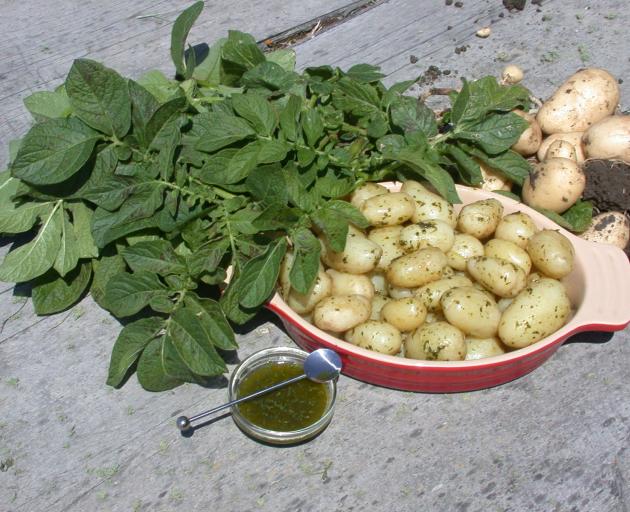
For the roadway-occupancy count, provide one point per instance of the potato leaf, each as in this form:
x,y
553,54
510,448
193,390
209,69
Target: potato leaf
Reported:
x,y
150,371
495,134
256,109
179,33
213,321
306,263
126,294
222,130
154,256
48,104
53,293
68,255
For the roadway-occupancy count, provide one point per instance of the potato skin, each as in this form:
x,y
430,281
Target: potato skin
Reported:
x,y
501,277
304,304
404,314
561,149
417,268
365,191
438,341
344,283
609,228
429,205
428,233
388,209
492,180
430,294
378,302
552,253
379,336
480,218
509,251
530,140
516,227
388,237
342,312
573,138
480,348
609,139
555,184
536,312
471,311
360,255
464,247
583,99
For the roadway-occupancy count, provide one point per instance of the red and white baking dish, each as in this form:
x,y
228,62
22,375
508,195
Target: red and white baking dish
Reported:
x,y
599,288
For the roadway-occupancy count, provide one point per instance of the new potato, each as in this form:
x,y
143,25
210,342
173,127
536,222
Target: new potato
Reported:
x,y
464,247
501,277
480,218
552,253
358,257
471,311
428,233
342,312
388,238
404,314
555,184
516,227
430,294
378,336
530,140
417,268
438,341
506,250
480,348
429,205
572,138
388,209
609,139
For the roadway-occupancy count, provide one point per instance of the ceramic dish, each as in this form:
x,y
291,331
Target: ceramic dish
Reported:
x,y
599,288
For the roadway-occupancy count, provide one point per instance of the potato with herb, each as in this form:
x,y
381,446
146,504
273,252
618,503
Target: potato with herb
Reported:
x,y
438,341
430,294
388,209
305,303
480,348
365,191
481,218
552,253
379,336
506,250
360,255
429,205
417,268
517,227
464,247
344,283
471,311
428,233
405,314
501,277
388,238
341,312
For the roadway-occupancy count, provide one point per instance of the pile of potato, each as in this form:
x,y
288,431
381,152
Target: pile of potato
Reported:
x,y
576,123
426,283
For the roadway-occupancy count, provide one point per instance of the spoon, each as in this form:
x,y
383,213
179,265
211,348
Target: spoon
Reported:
x,y
320,366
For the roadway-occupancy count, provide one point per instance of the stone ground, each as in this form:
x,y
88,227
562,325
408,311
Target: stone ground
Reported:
x,y
554,440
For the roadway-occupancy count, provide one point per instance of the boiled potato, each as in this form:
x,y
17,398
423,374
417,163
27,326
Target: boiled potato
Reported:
x,y
404,314
609,139
389,240
464,247
417,268
480,218
538,311
429,206
561,149
506,250
471,311
379,282
516,227
573,138
552,253
360,255
511,74
388,209
501,277
284,279
342,312
378,336
555,184
428,233
480,348
529,141
400,292
378,301
609,228
365,191
305,303
583,99
534,277
493,180
344,283
434,316
504,302
430,294
439,341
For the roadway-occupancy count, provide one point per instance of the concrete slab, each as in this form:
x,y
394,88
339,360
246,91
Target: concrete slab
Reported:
x,y
554,440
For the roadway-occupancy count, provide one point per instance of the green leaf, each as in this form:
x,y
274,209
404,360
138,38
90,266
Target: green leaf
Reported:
x,y
289,118
306,263
162,122
54,150
131,341
222,130
285,58
241,164
334,227
579,216
53,293
355,98
107,266
411,114
241,49
154,256
68,255
99,97
14,217
349,212
495,134
270,76
509,164
469,169
213,320
37,256
312,125
259,275
267,184
193,344
275,217
179,33
208,71
208,258
81,222
126,294
365,73
143,106
272,151
150,371
48,104
158,85
257,110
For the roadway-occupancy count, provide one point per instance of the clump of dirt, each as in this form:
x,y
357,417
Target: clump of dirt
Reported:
x,y
514,5
608,184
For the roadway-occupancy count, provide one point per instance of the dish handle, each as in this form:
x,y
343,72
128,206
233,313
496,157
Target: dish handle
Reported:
x,y
606,303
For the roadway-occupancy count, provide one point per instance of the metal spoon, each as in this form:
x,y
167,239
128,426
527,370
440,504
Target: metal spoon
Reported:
x,y
320,365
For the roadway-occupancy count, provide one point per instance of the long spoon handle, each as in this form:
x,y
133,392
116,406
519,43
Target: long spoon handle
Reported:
x,y
184,423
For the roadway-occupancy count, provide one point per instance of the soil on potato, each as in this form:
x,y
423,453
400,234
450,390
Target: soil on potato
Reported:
x,y
608,184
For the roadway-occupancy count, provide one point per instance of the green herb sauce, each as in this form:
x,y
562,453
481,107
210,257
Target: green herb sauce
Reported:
x,y
292,407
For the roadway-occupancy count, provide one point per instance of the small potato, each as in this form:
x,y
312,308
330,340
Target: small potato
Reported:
x,y
492,180
404,314
471,311
430,294
429,206
480,218
555,184
511,74
344,283
609,228
561,149
506,250
434,316
439,341
340,313
284,280
534,277
609,139
388,209
503,303
378,336
538,311
388,238
583,99
365,191
379,282
305,303
464,247
378,301
448,271
501,277
360,255
400,292
417,268
573,138
552,253
516,227
480,348
530,140
428,233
